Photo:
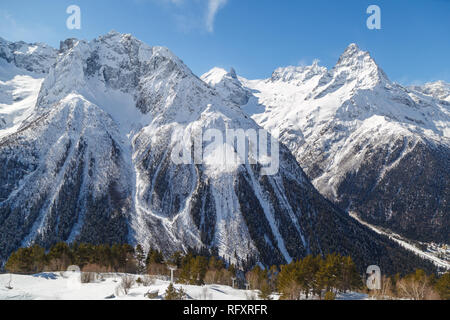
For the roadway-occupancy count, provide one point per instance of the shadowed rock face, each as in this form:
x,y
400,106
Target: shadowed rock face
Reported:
x,y
55,185
412,198
94,163
369,145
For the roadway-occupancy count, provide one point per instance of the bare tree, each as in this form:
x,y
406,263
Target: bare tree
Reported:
x,y
8,286
385,292
88,277
416,287
127,283
147,281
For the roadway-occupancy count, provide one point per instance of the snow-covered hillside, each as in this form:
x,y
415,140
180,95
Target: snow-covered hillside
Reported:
x,y
18,94
368,144
22,69
53,286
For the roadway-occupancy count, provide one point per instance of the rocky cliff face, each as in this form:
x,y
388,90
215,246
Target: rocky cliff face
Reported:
x,y
36,57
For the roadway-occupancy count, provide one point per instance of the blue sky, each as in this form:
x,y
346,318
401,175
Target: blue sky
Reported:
x,y
254,36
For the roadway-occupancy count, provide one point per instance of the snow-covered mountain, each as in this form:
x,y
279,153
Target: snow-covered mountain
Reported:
x,y
370,145
439,90
35,57
22,69
228,85
93,162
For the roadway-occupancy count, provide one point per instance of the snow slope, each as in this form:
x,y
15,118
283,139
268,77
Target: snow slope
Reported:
x,y
52,286
22,69
18,96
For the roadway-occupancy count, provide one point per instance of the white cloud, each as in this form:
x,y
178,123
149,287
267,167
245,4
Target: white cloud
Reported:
x,y
213,7
187,12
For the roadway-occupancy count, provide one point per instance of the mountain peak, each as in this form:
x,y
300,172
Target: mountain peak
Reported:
x,y
232,73
214,76
228,85
355,69
298,74
352,49
32,57
439,89
354,55
217,75
67,44
113,34
119,63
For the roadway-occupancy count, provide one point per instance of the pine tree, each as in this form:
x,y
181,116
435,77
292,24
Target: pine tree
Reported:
x,y
140,259
60,257
443,286
176,259
273,274
329,295
265,291
287,284
38,259
199,266
171,293
154,257
174,294
349,277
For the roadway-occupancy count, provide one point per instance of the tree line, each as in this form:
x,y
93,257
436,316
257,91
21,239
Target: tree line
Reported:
x,y
313,276
90,258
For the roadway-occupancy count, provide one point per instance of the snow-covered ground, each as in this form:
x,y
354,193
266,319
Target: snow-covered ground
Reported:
x,y
19,91
53,286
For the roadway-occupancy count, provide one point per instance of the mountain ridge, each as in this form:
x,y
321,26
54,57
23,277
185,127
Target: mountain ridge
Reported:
x,y
353,130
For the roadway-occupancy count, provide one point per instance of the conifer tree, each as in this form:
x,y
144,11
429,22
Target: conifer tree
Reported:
x,y
443,286
171,293
265,291
140,259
